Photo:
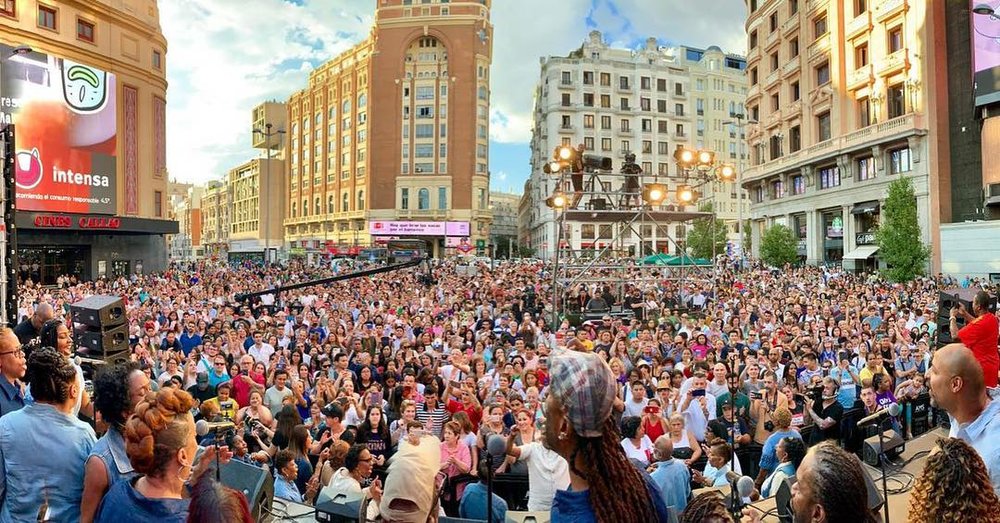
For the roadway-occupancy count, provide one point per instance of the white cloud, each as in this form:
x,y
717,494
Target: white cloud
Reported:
x,y
226,56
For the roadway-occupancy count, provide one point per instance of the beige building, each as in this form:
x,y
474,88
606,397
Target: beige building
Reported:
x,y
396,129
215,209
122,44
255,231
849,97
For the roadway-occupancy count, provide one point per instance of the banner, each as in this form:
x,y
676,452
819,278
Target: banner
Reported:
x,y
391,228
65,113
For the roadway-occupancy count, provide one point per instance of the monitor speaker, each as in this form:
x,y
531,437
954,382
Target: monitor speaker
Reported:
x,y
254,483
894,445
99,312
103,344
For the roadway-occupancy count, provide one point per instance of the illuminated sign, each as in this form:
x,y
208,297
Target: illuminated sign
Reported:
x,y
66,139
59,221
391,228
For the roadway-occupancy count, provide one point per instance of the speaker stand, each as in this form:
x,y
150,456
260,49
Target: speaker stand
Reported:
x,y
882,458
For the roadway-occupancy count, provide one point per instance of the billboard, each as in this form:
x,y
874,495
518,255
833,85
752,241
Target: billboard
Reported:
x,y
65,113
985,57
391,228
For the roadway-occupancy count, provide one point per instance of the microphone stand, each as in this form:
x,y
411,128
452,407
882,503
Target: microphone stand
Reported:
x,y
489,486
881,462
734,495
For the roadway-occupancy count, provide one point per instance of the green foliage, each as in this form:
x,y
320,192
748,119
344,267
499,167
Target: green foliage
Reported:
x,y
700,237
898,237
778,246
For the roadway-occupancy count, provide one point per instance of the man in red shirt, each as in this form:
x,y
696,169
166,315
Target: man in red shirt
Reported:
x,y
980,334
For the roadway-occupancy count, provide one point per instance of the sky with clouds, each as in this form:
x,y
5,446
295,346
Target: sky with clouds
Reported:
x,y
226,56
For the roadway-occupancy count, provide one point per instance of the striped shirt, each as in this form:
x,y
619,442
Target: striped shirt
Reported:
x,y
436,418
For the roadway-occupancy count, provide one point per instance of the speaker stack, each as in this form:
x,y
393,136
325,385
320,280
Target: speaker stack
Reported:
x,y
101,328
949,299
254,483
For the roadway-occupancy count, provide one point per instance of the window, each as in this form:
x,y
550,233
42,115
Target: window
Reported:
x,y
404,199
899,161
663,126
679,109
895,100
823,126
819,27
793,7
425,130
423,199
793,47
775,102
588,99
625,125
861,55
798,184
588,78
8,7
661,85
829,177
699,105
566,78
345,203
442,198
645,83
774,61
647,125
422,150
679,89
644,104
647,148
606,79
860,6
604,231
823,73
624,103
588,231
157,60
777,189
565,100
588,143
753,76
776,146
566,123
606,101
864,112
623,82
866,168
794,91
85,30
758,194
661,106
774,21
605,122
47,17
158,204
895,39
794,139
588,121
753,39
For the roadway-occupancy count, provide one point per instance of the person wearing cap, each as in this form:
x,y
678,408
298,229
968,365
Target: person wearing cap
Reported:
x,y
604,486
202,390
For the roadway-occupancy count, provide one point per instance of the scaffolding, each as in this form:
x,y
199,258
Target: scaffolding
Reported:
x,y
628,200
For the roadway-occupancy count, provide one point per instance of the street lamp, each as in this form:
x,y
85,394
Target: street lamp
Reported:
x,y
741,121
267,133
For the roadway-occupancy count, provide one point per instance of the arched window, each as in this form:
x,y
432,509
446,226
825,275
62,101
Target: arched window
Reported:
x,y
293,209
305,207
316,207
330,205
361,200
423,199
347,107
345,202
362,100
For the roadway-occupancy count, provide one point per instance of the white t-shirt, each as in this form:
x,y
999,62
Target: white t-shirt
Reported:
x,y
635,409
547,473
645,446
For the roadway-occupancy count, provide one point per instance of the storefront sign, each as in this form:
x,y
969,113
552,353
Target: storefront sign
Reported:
x,y
70,222
58,221
864,238
66,117
391,228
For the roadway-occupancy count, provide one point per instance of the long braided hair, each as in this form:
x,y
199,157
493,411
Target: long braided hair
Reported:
x,y
617,491
707,507
839,483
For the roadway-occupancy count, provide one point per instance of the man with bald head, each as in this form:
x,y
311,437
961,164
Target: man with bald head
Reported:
x,y
956,385
671,475
28,329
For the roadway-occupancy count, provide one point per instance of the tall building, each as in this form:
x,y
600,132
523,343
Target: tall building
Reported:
x,y
215,207
391,138
646,101
255,231
186,245
91,169
503,230
849,96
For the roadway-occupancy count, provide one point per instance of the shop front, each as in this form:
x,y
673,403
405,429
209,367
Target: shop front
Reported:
x,y
833,238
864,256
89,246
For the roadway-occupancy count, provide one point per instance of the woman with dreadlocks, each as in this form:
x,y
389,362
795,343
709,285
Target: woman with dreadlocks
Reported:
x,y
604,485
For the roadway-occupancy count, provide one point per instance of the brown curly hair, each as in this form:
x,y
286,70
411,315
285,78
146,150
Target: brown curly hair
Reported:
x,y
954,487
158,429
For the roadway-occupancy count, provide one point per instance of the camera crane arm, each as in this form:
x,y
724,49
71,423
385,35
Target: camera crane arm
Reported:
x,y
342,277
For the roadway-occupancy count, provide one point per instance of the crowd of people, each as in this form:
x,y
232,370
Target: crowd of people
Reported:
x,y
678,385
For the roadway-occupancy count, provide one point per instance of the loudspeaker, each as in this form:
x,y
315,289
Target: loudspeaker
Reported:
x,y
894,445
598,204
875,500
783,500
99,312
103,344
255,483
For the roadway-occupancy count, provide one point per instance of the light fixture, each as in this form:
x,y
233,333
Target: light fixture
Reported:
x,y
552,167
705,157
983,9
558,200
684,156
21,49
654,193
685,194
726,172
564,153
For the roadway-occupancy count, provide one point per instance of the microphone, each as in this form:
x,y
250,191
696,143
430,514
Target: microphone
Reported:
x,y
894,409
744,486
496,445
203,427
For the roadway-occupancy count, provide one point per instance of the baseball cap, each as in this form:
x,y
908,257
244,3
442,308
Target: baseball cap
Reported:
x,y
202,377
585,386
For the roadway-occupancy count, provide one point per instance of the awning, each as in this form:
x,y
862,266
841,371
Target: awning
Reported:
x,y
861,253
865,207
993,200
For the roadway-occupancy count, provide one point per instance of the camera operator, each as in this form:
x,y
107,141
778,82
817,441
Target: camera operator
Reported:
x,y
825,411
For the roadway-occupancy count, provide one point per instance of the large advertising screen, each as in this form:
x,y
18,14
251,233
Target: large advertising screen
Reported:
x,y
985,56
65,113
391,228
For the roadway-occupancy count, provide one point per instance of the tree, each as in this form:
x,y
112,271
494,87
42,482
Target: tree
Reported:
x,y
778,246
898,237
700,237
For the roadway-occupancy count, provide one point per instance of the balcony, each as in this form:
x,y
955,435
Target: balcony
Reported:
x,y
753,92
887,8
792,111
565,85
819,48
438,214
906,125
859,77
815,5
772,38
860,24
567,129
791,67
626,132
772,78
791,25
893,62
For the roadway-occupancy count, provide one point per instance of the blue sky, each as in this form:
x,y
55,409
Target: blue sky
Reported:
x,y
225,56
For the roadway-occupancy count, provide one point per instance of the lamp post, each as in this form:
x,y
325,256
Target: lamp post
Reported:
x,y
741,122
267,133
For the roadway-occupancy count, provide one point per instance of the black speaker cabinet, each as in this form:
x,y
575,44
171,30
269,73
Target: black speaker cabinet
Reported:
x,y
99,312
255,483
894,445
103,343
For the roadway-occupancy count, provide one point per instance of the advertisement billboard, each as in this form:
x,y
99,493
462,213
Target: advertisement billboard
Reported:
x,y
985,57
392,228
65,113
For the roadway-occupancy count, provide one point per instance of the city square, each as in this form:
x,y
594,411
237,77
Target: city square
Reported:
x,y
477,260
